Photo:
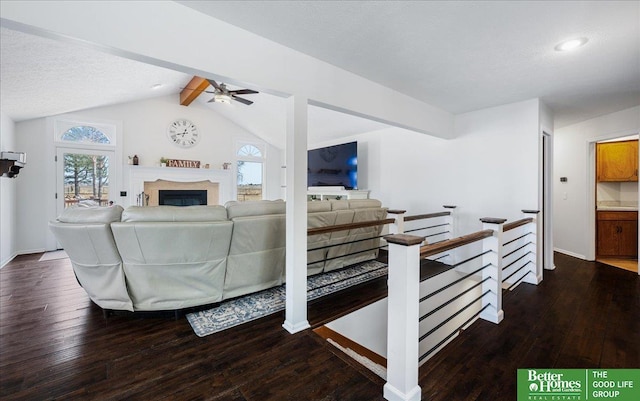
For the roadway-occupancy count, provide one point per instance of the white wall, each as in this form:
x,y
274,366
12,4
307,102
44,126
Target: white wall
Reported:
x,y
497,161
617,192
144,126
34,193
8,191
574,223
145,123
374,318
490,169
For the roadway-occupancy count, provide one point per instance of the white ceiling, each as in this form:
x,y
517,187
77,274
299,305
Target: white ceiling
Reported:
x,y
459,56
465,55
42,77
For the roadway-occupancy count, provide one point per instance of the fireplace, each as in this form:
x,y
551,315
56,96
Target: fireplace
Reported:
x,y
182,193
149,180
182,197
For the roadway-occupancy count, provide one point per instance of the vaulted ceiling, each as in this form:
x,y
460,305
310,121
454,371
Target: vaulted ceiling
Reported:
x,y
459,56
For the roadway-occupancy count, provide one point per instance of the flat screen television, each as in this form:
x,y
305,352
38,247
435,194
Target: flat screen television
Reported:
x,y
334,166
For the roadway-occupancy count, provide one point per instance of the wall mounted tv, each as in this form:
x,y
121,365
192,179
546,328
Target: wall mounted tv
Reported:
x,y
334,166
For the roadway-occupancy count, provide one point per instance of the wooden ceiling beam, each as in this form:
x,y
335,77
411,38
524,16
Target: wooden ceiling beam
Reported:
x,y
193,89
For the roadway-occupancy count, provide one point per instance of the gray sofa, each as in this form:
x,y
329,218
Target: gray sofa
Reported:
x,y
169,258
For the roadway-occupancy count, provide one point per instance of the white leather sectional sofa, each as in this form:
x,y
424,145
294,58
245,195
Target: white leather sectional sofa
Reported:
x,y
169,257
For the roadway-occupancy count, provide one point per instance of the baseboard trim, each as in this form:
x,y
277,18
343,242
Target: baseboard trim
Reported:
x,y
575,255
9,259
294,328
391,393
30,251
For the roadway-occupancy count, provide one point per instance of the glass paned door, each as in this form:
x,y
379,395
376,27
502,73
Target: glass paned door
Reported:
x,y
83,177
249,180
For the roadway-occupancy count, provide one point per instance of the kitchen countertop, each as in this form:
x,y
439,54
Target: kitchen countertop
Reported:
x,y
618,208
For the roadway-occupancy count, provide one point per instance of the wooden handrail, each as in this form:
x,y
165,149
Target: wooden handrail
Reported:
x,y
426,216
396,211
350,226
428,250
516,224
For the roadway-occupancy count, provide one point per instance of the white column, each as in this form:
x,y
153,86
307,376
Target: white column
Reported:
x,y
535,267
403,314
398,226
451,220
296,270
493,258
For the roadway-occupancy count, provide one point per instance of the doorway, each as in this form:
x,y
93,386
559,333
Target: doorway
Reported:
x,y
616,202
547,201
83,177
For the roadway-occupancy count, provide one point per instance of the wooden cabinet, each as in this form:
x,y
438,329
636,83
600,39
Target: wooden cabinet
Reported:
x,y
617,234
617,161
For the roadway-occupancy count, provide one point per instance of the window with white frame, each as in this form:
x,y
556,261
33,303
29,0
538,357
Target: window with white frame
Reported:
x,y
85,134
250,171
85,152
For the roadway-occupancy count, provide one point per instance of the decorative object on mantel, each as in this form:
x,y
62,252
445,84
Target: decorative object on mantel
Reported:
x,y
163,162
225,166
135,160
183,163
142,199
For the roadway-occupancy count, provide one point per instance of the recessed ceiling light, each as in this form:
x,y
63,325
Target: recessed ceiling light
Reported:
x,y
156,86
571,44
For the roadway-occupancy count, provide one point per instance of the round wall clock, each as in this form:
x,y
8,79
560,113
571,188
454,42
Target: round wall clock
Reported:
x,y
183,133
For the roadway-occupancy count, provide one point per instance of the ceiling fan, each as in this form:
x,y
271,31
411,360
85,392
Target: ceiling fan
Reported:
x,y
224,95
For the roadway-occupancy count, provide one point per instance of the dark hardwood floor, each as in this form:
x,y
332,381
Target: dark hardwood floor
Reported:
x,y
582,315
55,344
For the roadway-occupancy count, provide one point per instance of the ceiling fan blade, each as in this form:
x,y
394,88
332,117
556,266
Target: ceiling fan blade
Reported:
x,y
213,99
215,84
243,92
241,100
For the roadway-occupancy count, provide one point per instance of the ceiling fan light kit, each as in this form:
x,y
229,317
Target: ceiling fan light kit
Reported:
x,y
221,94
221,98
224,95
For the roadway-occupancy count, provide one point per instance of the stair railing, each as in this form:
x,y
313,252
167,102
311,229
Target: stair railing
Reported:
x,y
408,329
521,251
423,316
433,227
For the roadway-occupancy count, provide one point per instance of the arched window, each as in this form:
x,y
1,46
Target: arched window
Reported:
x,y
85,134
250,159
249,151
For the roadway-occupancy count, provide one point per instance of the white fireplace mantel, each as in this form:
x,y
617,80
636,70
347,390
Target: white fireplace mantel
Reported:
x,y
139,174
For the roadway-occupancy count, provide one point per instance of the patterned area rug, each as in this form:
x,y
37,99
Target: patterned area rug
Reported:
x,y
254,306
